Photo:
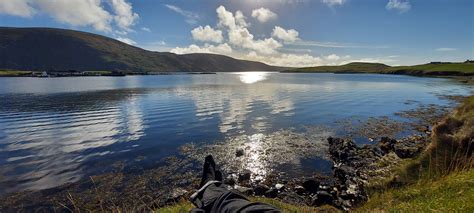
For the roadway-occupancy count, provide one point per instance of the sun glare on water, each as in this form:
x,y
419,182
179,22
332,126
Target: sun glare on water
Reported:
x,y
252,77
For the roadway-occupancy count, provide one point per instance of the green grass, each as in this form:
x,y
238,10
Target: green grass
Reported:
x,y
424,69
14,73
185,206
452,193
458,67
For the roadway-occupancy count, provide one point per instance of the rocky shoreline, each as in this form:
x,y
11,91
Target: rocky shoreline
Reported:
x,y
353,168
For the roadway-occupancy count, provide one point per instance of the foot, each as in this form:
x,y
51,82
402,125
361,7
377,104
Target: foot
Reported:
x,y
209,172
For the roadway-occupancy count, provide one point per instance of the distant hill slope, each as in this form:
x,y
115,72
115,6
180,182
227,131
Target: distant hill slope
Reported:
x,y
59,49
435,69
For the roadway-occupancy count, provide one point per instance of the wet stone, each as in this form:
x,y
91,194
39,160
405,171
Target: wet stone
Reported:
x,y
244,176
321,198
260,189
299,190
311,186
239,152
279,186
271,193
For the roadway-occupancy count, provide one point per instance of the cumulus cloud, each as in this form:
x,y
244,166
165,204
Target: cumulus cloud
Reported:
x,y
124,16
289,36
446,49
238,42
239,35
146,29
83,13
207,48
263,15
334,2
400,5
126,40
207,33
191,18
20,8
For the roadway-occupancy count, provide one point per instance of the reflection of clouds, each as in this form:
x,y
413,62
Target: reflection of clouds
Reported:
x,y
234,102
48,149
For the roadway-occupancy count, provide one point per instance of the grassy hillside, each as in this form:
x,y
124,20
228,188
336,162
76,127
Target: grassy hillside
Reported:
x,y
442,178
39,49
457,69
351,67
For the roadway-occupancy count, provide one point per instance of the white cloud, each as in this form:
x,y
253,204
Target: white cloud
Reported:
x,y
263,14
83,13
146,29
191,18
207,48
124,16
78,13
400,5
333,57
240,36
207,33
20,8
126,40
446,49
334,2
290,35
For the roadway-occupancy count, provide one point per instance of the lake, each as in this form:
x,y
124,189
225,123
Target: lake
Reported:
x,y
59,130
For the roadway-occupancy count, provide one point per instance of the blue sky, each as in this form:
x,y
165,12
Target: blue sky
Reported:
x,y
278,32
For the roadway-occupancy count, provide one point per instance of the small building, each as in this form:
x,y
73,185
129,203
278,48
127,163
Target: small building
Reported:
x,y
44,74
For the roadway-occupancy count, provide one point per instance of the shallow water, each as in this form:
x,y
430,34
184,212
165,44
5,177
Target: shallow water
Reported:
x,y
58,130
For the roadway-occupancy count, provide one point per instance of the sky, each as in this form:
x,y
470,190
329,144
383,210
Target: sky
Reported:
x,y
293,33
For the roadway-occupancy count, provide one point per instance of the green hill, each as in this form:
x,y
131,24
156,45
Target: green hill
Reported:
x,y
435,69
38,49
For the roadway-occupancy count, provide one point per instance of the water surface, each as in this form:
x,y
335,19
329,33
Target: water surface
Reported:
x,y
58,130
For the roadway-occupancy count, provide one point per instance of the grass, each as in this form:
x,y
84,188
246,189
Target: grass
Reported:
x,y
14,73
451,193
456,69
186,206
441,179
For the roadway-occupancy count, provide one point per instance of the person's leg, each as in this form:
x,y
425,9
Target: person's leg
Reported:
x,y
213,196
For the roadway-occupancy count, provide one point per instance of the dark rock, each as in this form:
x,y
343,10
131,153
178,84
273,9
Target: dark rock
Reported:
x,y
311,186
244,176
271,193
343,172
321,198
239,152
260,189
386,144
299,190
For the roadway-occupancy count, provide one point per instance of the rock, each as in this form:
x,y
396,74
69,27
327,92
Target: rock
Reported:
x,y
260,189
279,186
299,190
311,186
386,144
239,152
244,176
343,172
244,190
271,193
321,198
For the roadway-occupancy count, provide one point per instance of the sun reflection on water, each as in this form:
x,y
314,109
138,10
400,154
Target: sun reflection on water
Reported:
x,y
252,77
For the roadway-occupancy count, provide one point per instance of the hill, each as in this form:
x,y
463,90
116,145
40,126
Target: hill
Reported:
x,y
433,69
38,49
